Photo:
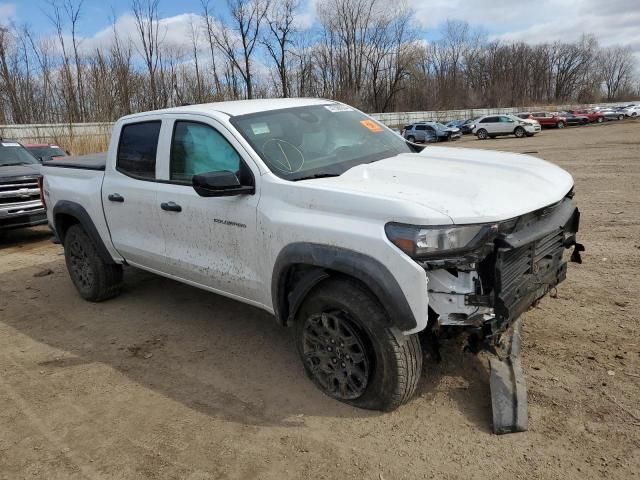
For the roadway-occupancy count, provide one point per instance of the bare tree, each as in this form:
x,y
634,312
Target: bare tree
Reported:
x,y
148,29
616,64
237,41
280,19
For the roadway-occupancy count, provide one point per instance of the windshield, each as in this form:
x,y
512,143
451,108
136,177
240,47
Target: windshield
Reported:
x,y
47,153
12,153
315,141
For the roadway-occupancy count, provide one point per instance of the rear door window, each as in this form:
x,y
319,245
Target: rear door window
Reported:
x,y
137,149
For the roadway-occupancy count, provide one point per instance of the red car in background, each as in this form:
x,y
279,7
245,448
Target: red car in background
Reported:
x,y
594,117
545,119
45,152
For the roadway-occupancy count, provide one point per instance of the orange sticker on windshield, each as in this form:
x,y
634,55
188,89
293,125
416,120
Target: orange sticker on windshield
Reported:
x,y
371,125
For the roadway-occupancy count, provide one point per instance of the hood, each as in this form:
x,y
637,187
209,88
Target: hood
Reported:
x,y
31,170
466,185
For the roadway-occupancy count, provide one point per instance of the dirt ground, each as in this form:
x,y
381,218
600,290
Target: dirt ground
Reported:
x,y
167,381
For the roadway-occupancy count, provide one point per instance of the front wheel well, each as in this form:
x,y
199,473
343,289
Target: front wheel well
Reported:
x,y
62,223
300,280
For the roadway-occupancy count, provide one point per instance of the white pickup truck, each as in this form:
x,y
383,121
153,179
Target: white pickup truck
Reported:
x,y
320,215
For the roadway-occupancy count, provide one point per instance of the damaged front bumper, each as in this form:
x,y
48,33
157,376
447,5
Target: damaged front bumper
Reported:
x,y
490,287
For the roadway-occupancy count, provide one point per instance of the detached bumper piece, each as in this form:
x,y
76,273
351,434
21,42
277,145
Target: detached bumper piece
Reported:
x,y
509,388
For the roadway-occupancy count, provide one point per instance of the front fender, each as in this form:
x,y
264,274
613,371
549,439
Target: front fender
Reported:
x,y
364,268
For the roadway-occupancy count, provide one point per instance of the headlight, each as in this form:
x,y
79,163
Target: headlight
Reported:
x,y
429,242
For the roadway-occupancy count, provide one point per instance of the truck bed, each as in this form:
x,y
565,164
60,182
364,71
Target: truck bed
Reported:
x,y
94,161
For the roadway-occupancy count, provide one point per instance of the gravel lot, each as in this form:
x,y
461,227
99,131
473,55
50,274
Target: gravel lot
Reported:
x,y
167,381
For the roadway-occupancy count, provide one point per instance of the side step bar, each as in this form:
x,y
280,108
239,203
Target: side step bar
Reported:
x,y
509,389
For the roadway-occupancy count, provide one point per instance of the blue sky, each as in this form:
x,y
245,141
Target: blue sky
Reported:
x,y
537,21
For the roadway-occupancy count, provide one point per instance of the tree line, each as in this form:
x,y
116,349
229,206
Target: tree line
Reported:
x,y
368,53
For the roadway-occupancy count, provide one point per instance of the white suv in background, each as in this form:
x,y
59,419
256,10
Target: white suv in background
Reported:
x,y
491,126
632,111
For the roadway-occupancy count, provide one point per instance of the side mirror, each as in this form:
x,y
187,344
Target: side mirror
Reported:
x,y
220,184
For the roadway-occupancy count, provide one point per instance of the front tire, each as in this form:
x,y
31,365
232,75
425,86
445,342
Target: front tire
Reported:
x,y
482,134
620,117
560,124
95,279
350,353
519,132
600,119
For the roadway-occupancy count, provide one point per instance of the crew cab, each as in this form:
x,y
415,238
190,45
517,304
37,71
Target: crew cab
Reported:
x,y
325,218
20,203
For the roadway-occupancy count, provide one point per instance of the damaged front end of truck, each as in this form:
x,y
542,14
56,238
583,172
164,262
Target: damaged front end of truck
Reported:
x,y
483,282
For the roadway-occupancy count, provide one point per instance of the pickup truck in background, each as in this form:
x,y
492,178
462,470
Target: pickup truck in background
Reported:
x,y
320,215
20,203
45,152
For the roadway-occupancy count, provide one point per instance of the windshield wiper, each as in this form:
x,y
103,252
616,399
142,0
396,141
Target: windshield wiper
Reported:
x,y
317,175
15,164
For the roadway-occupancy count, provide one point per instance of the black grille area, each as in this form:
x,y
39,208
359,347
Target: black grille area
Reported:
x,y
524,274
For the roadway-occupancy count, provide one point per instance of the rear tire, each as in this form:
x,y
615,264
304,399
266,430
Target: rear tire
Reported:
x,y
482,134
349,351
519,132
95,279
620,117
411,138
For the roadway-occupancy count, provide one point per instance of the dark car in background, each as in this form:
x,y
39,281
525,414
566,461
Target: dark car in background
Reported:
x,y
45,152
429,132
465,126
20,202
574,119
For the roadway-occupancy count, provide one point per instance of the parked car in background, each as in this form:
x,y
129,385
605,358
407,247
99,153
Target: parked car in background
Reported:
x,y
491,126
20,203
631,111
419,133
574,119
593,115
45,152
612,114
545,119
445,133
465,126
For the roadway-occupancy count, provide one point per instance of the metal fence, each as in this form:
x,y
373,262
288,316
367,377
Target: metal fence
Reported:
x,y
52,133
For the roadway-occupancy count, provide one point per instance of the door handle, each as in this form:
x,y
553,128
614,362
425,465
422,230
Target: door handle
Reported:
x,y
116,197
171,207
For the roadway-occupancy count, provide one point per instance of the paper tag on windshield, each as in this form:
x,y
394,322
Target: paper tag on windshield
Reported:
x,y
338,108
260,128
54,146
371,125
10,144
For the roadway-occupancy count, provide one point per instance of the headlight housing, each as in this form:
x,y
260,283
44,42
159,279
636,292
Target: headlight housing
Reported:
x,y
437,241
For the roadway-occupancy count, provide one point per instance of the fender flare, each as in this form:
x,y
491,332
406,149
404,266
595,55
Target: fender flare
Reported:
x,y
78,212
328,259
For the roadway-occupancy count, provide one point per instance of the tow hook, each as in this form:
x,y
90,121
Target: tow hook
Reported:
x,y
508,386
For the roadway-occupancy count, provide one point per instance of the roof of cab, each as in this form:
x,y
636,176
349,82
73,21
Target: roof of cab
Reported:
x,y
240,107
